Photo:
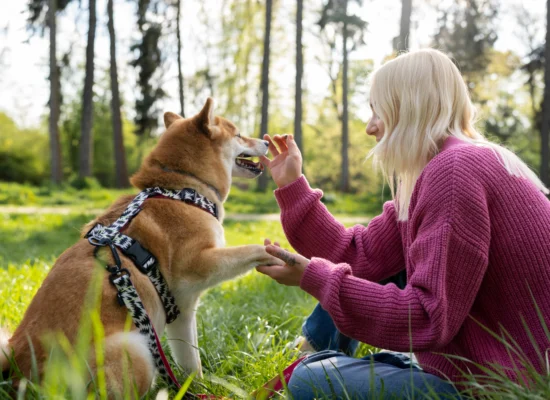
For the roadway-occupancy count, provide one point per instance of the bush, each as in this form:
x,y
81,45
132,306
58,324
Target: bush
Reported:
x,y
86,182
22,155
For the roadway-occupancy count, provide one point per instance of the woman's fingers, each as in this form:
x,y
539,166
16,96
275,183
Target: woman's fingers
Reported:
x,y
265,161
273,271
289,258
292,146
267,242
281,141
272,148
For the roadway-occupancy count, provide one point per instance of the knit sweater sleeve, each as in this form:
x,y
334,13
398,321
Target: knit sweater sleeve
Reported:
x,y
374,252
447,260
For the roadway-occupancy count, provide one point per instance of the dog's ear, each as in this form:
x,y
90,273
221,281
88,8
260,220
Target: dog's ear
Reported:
x,y
169,118
205,119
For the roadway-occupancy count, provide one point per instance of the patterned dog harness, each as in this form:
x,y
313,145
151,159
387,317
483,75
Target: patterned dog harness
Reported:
x,y
145,262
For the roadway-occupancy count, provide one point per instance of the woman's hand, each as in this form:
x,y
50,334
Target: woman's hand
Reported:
x,y
286,166
289,274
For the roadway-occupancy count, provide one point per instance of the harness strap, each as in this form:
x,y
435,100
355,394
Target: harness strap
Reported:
x,y
111,236
130,297
144,261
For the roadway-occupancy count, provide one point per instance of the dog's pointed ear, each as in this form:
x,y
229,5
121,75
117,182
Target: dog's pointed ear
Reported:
x,y
169,118
206,120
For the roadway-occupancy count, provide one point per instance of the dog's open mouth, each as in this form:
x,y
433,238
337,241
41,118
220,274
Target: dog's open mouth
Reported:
x,y
244,161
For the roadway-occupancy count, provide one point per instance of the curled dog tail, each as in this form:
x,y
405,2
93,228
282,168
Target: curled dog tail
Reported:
x,y
4,349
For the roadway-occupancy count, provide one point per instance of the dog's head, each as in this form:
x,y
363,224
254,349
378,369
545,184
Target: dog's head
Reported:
x,y
209,148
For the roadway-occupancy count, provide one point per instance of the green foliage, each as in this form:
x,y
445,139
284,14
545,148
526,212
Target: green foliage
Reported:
x,y
506,116
467,32
22,155
148,58
336,12
102,133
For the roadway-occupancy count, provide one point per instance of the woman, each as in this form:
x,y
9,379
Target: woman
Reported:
x,y
470,224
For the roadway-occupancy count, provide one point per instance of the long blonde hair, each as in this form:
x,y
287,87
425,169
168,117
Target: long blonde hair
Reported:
x,y
422,99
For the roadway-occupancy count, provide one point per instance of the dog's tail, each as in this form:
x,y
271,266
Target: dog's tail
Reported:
x,y
4,349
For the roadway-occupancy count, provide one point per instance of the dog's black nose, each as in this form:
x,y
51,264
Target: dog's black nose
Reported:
x,y
266,143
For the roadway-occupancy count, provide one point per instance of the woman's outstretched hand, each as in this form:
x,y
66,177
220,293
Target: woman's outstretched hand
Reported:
x,y
289,274
286,166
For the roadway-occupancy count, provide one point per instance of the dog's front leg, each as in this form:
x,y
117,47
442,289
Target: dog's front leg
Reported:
x,y
183,339
221,264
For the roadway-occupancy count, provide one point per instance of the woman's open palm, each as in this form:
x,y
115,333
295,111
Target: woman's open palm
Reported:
x,y
286,165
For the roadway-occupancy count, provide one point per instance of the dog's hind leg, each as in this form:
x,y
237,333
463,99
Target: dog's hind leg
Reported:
x,y
128,365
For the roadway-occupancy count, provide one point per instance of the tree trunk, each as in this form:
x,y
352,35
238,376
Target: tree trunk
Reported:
x,y
344,184
121,171
544,132
299,74
264,86
180,73
405,28
55,145
86,143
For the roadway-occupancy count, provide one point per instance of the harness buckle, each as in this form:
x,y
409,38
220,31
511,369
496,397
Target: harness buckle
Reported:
x,y
142,258
116,257
117,272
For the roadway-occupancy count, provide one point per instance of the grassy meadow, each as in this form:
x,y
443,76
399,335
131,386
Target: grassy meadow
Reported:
x,y
244,325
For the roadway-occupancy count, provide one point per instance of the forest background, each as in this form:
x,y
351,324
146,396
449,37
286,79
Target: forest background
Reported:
x,y
82,103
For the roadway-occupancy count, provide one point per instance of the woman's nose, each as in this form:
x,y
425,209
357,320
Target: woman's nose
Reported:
x,y
371,128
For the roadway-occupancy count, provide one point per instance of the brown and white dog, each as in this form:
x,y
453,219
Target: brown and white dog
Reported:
x,y
203,153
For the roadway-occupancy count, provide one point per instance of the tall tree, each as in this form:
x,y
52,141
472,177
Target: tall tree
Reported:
x,y
121,169
352,27
467,32
345,112
42,14
545,128
264,86
86,142
401,42
299,74
55,145
180,73
148,60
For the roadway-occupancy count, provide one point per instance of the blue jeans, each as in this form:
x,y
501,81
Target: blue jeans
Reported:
x,y
333,373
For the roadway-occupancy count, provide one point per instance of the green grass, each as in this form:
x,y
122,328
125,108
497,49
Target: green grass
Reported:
x,y
244,325
26,195
240,201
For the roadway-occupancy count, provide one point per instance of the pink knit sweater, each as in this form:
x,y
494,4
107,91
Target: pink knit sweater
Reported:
x,y
476,248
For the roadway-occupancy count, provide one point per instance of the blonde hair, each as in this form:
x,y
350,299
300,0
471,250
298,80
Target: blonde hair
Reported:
x,y
422,99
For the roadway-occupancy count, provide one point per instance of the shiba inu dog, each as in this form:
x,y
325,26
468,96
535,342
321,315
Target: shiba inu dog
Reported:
x,y
202,153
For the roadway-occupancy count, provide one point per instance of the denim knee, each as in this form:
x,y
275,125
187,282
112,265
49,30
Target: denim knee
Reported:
x,y
303,380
